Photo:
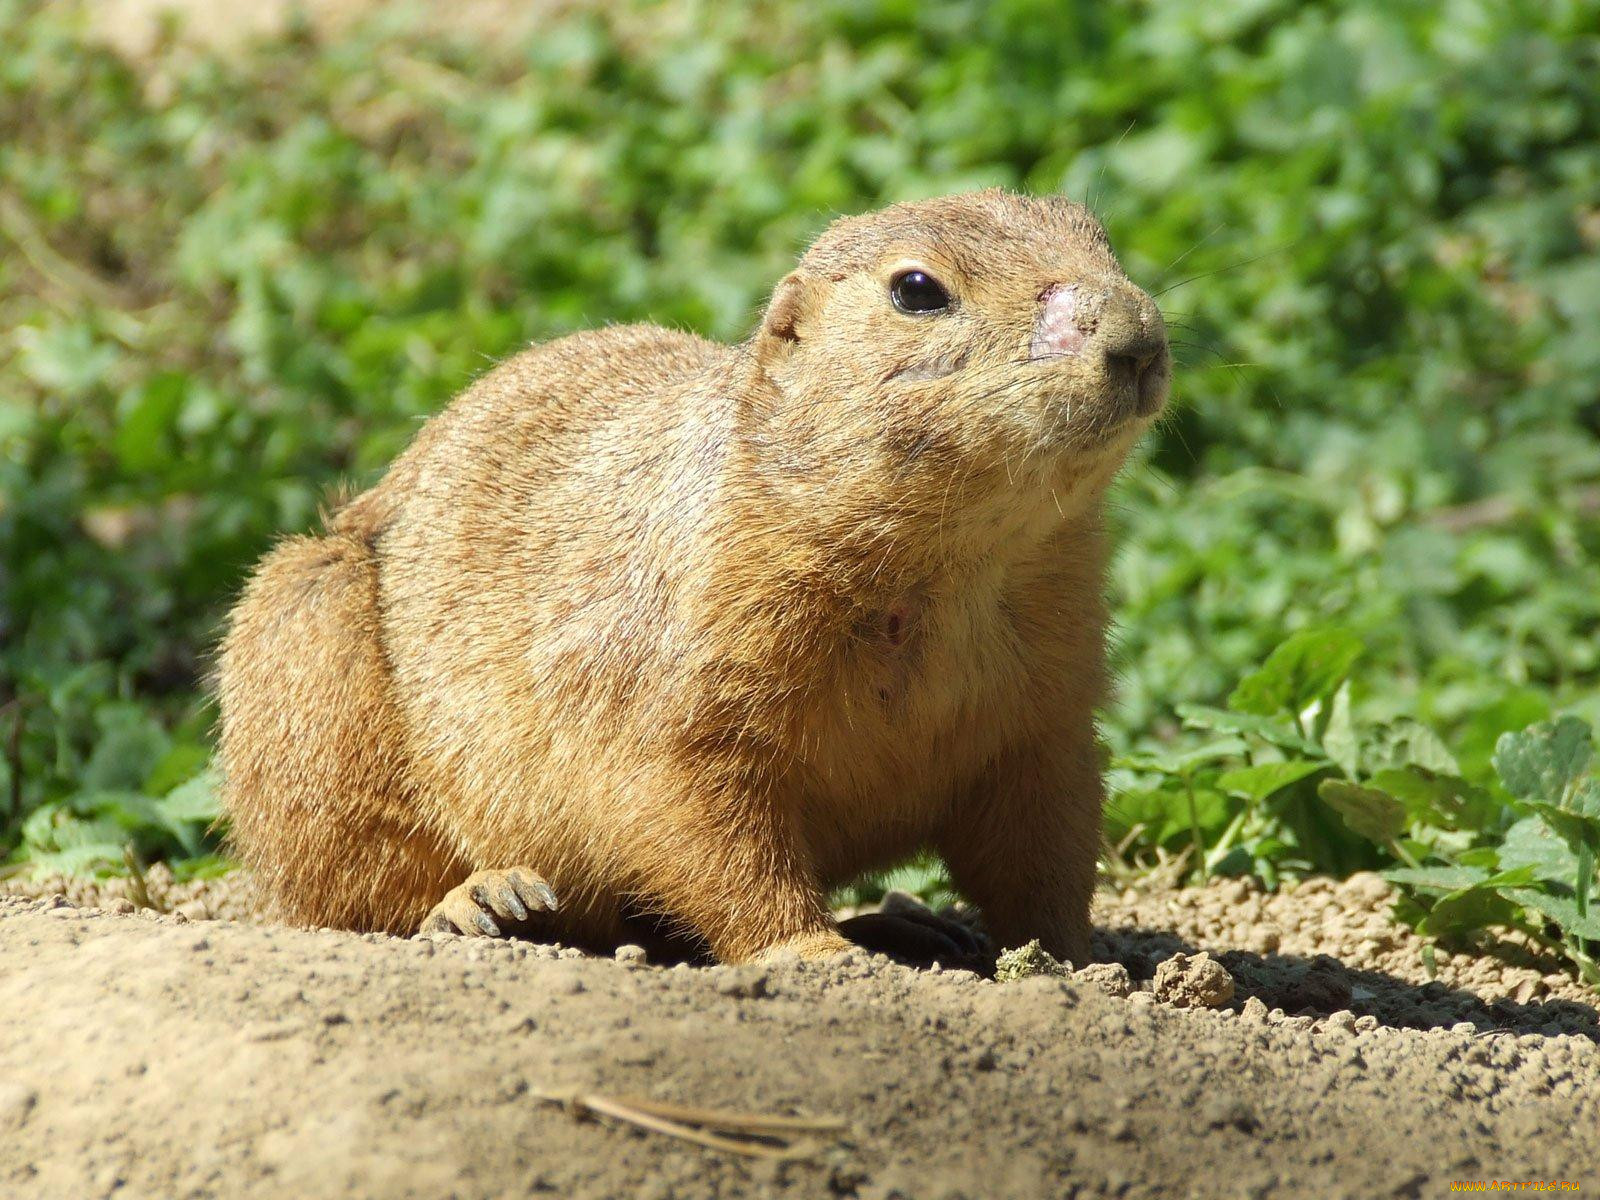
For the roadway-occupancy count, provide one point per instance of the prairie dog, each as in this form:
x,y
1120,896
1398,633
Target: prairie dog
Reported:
x,y
642,625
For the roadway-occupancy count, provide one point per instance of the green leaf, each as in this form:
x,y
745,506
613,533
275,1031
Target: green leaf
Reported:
x,y
1183,762
1308,666
130,744
1372,813
1262,780
1577,816
1202,716
1560,909
1467,899
78,859
203,866
1467,912
1532,843
196,800
1474,741
130,811
179,764
1544,760
141,433
1544,766
1237,861
1442,801
1440,879
1408,743
1164,812
1339,739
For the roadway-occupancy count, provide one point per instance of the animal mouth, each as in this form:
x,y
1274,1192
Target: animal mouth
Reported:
x,y
1090,424
928,368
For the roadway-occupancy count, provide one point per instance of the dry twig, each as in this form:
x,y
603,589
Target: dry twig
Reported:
x,y
732,1132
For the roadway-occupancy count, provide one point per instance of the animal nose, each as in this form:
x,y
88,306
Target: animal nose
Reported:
x,y
1133,344
1114,324
1131,357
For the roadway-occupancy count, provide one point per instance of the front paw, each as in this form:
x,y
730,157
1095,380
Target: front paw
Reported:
x,y
816,946
497,903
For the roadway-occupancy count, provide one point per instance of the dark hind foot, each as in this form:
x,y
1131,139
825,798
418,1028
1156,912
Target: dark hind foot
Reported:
x,y
498,903
909,932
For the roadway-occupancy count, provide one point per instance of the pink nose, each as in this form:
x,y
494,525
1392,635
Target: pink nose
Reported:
x,y
1058,330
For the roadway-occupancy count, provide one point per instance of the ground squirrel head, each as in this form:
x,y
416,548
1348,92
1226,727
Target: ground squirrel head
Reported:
x,y
949,332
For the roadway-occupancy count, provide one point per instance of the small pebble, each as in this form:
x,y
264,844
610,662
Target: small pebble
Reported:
x,y
1343,1021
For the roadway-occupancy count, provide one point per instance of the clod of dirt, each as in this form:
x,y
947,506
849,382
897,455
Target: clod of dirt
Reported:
x,y
742,982
194,910
1110,978
1197,981
1025,962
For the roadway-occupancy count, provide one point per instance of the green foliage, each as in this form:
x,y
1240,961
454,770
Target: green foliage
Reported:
x,y
1513,848
231,285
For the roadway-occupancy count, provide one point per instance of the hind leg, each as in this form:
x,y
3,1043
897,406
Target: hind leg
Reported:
x,y
315,773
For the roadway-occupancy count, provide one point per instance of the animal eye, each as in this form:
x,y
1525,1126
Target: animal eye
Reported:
x,y
918,292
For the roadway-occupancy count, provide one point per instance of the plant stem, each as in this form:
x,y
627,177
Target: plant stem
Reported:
x,y
1225,842
1588,969
1194,827
1399,851
1585,881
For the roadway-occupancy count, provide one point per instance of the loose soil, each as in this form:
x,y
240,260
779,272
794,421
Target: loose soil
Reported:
x,y
1228,1043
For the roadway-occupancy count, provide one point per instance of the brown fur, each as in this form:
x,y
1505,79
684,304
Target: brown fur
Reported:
x,y
703,630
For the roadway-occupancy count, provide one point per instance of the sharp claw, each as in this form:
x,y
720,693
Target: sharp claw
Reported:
x,y
513,902
546,894
486,925
522,884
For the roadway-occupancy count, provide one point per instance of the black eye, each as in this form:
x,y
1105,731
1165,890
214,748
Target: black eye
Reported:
x,y
918,292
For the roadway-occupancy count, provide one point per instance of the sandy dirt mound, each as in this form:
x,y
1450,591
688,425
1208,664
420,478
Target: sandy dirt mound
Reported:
x,y
152,1055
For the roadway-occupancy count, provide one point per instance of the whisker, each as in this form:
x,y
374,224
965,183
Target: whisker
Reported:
x,y
1192,249
1222,270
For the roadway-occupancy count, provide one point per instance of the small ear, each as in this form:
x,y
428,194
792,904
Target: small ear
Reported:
x,y
791,303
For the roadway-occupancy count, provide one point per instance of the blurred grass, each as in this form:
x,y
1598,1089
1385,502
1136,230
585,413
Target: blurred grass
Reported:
x,y
230,283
